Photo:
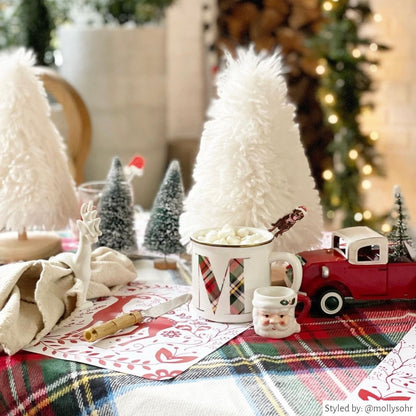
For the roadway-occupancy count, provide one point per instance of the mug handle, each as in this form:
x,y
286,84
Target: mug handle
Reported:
x,y
306,301
294,262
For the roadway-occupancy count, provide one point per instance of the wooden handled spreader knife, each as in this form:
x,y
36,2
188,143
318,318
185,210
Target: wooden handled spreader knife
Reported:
x,y
135,317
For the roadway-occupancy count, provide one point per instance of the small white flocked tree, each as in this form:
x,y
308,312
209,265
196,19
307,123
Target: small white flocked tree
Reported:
x,y
251,168
37,191
399,236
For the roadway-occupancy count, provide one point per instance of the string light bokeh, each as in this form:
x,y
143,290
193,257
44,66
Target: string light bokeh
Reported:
x,y
345,67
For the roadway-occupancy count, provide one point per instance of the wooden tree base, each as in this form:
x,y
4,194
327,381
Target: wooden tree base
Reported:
x,y
38,245
162,264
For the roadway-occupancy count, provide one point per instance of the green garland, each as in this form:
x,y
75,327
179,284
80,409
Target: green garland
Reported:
x,y
343,66
28,23
32,23
137,11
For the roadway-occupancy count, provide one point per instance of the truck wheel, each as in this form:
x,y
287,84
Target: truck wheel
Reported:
x,y
330,302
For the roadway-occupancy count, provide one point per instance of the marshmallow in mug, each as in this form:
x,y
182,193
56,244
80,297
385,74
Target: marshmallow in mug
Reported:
x,y
228,235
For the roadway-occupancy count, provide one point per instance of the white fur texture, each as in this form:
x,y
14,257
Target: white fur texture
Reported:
x,y
37,190
251,168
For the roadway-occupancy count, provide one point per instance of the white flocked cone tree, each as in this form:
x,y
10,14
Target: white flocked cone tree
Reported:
x,y
251,168
37,192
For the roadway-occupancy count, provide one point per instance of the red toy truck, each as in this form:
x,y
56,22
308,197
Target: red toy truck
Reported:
x,y
355,266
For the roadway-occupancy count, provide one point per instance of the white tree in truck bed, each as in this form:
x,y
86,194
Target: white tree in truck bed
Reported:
x,y
399,235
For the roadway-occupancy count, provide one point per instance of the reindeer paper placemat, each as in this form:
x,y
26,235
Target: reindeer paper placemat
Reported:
x,y
395,377
160,349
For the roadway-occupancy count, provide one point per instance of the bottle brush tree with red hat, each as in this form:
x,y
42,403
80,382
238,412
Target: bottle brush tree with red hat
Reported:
x,y
116,211
37,191
251,168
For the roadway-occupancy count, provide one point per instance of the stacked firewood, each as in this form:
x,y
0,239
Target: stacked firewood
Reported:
x,y
283,24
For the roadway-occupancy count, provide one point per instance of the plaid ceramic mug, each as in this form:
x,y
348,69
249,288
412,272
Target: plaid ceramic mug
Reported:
x,y
225,273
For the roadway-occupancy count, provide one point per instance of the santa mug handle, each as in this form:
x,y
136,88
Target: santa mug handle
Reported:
x,y
305,300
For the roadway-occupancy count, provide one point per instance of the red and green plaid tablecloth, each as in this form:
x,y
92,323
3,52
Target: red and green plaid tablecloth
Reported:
x,y
248,376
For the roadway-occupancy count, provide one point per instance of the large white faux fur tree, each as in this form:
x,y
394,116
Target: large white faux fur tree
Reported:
x,y
251,168
37,191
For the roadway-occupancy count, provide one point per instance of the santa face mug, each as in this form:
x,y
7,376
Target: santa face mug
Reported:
x,y
228,264
274,311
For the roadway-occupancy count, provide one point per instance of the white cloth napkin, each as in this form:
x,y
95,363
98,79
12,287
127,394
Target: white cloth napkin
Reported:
x,y
36,295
